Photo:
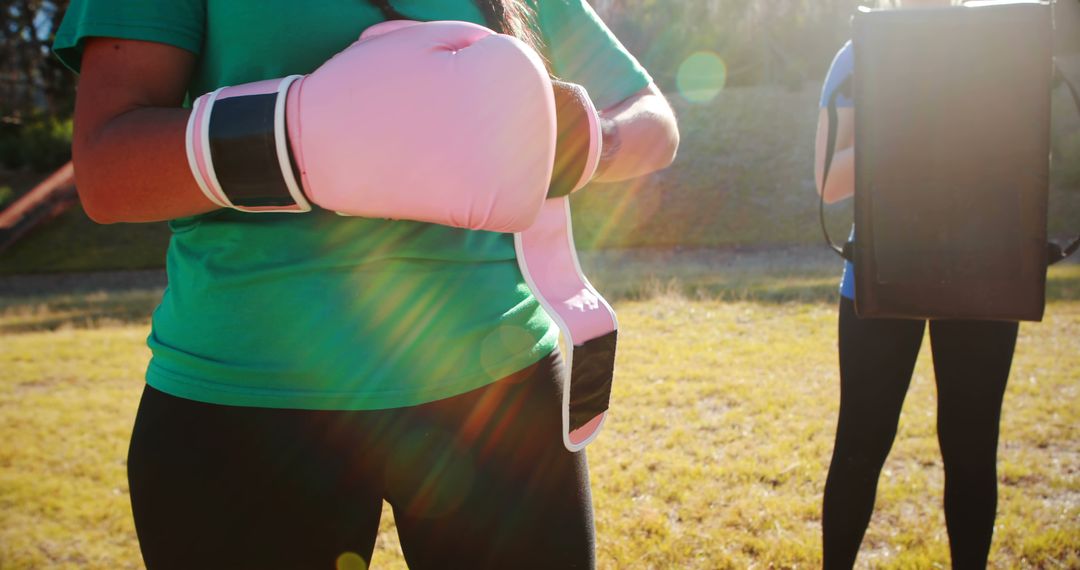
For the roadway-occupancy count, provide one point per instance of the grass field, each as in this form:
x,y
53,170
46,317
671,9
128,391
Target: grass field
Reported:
x,y
714,456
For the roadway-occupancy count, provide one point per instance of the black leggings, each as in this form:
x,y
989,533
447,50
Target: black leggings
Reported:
x,y
480,480
877,357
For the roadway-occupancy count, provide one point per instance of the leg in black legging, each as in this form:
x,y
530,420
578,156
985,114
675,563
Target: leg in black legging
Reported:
x,y
971,363
229,487
877,357
482,480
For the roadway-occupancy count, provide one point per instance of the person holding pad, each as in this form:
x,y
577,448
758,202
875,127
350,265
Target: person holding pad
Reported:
x,y
972,359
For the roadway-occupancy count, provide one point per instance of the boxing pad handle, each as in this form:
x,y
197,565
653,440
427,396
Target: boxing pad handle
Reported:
x,y
579,139
846,252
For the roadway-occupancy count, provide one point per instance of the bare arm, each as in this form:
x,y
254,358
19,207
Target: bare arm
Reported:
x,y
841,183
128,144
647,132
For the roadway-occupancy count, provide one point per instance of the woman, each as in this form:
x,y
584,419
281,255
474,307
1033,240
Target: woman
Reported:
x,y
308,366
877,357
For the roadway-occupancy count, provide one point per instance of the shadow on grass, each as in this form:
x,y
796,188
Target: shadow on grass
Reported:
x,y
767,290
768,276
775,276
1062,284
79,310
73,243
48,302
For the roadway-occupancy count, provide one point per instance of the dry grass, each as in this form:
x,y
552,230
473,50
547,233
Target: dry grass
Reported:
x,y
714,457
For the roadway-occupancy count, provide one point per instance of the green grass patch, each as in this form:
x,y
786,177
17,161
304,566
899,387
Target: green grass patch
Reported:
x,y
715,454
72,242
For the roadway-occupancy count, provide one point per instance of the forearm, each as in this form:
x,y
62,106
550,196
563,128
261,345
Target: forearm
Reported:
x,y
133,168
646,137
128,145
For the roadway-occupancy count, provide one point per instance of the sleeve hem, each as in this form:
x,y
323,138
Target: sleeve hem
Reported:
x,y
625,90
68,48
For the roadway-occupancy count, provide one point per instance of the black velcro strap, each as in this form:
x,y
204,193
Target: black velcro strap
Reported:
x,y
590,379
244,152
573,138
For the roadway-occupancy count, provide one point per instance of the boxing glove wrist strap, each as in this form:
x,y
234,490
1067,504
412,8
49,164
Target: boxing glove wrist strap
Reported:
x,y
612,142
578,139
238,148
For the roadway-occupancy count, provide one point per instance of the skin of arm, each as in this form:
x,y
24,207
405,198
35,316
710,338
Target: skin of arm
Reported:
x,y
648,136
841,182
128,142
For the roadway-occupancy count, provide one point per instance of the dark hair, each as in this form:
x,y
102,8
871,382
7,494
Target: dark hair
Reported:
x,y
510,17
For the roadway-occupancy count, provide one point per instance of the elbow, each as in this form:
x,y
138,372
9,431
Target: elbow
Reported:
x,y
94,207
93,194
95,176
663,145
665,134
667,129
672,148
87,180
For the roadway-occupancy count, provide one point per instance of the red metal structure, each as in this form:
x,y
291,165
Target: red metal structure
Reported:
x,y
47,200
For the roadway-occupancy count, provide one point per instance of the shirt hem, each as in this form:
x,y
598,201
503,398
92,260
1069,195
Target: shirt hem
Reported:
x,y
183,386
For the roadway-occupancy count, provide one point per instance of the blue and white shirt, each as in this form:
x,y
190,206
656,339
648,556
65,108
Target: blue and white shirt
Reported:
x,y
843,66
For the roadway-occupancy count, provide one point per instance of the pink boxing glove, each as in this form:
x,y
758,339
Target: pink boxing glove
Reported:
x,y
442,122
579,138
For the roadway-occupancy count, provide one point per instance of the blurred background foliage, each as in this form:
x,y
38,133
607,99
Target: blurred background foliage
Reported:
x,y
37,93
762,42
743,76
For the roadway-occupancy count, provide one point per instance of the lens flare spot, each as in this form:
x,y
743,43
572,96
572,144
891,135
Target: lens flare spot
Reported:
x,y
502,343
430,474
350,561
701,77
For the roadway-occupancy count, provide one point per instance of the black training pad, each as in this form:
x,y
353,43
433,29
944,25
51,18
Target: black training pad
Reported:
x,y
244,152
1067,27
590,379
952,129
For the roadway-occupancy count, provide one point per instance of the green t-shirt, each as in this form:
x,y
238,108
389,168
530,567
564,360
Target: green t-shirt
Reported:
x,y
319,311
